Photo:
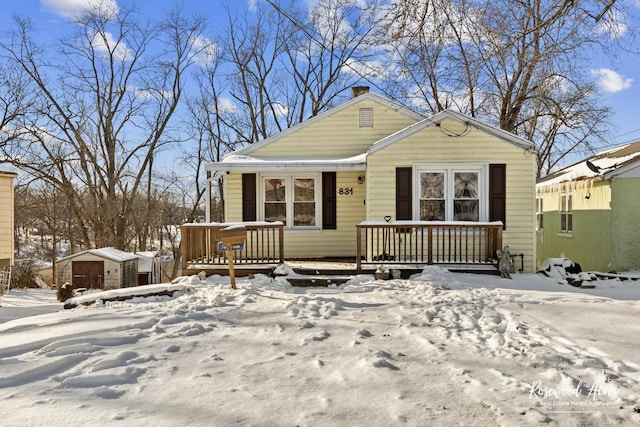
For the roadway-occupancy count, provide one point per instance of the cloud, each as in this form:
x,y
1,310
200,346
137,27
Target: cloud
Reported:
x,y
72,8
224,106
370,69
104,43
280,109
610,81
252,5
613,25
207,51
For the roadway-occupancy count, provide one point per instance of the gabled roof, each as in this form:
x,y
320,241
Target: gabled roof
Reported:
x,y
437,119
606,165
109,253
242,160
335,110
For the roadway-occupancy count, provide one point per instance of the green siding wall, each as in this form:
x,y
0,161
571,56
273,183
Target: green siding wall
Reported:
x,y
590,243
625,224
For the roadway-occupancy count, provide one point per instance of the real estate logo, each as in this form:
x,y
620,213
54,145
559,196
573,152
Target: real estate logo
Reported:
x,y
575,397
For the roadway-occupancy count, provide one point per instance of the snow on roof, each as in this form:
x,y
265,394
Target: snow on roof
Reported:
x,y
110,253
145,260
604,164
240,162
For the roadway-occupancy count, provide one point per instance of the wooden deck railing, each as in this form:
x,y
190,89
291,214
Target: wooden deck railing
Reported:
x,y
264,244
428,242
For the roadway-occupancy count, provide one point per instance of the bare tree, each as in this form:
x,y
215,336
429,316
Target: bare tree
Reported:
x,y
326,50
215,128
105,99
291,62
510,63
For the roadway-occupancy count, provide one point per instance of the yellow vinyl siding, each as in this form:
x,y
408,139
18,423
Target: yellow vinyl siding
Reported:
x,y
6,217
338,135
432,145
341,242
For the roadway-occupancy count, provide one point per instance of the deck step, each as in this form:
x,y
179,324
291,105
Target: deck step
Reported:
x,y
323,281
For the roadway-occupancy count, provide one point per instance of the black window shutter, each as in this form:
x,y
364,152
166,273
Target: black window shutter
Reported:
x,y
329,217
249,197
498,193
404,193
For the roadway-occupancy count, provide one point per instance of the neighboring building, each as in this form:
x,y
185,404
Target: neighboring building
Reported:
x,y
589,212
149,267
6,218
370,158
104,268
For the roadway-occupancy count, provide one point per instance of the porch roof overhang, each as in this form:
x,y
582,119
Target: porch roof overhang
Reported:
x,y
235,162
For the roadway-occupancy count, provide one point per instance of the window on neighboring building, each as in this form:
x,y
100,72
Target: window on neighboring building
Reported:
x,y
292,200
566,212
539,214
451,194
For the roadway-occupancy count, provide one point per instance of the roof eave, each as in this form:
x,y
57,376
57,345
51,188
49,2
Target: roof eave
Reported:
x,y
278,166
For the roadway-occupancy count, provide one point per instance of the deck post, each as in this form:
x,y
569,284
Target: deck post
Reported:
x,y
183,248
358,247
281,243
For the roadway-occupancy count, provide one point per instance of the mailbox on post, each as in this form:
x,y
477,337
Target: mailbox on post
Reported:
x,y
232,238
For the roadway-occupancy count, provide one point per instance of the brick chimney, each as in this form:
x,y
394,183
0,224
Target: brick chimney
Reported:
x,y
359,90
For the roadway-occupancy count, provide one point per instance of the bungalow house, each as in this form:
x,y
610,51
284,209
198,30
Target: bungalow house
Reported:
x,y
104,268
6,226
588,211
371,172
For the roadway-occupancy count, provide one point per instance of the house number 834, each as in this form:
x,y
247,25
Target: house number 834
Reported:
x,y
345,191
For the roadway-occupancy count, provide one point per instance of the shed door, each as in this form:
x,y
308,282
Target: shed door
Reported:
x,y
144,279
88,274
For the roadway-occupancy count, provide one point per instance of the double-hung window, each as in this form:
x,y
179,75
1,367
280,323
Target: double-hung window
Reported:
x,y
292,200
539,214
566,212
447,193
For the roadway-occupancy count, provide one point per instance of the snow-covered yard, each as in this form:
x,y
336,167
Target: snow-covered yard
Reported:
x,y
438,349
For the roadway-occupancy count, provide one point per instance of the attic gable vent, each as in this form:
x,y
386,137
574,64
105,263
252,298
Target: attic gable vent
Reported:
x,y
366,118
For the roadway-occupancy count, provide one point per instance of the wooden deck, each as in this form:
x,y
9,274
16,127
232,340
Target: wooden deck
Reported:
x,y
263,248
428,242
408,246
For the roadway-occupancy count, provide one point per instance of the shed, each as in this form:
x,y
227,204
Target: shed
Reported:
x,y
149,267
103,268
